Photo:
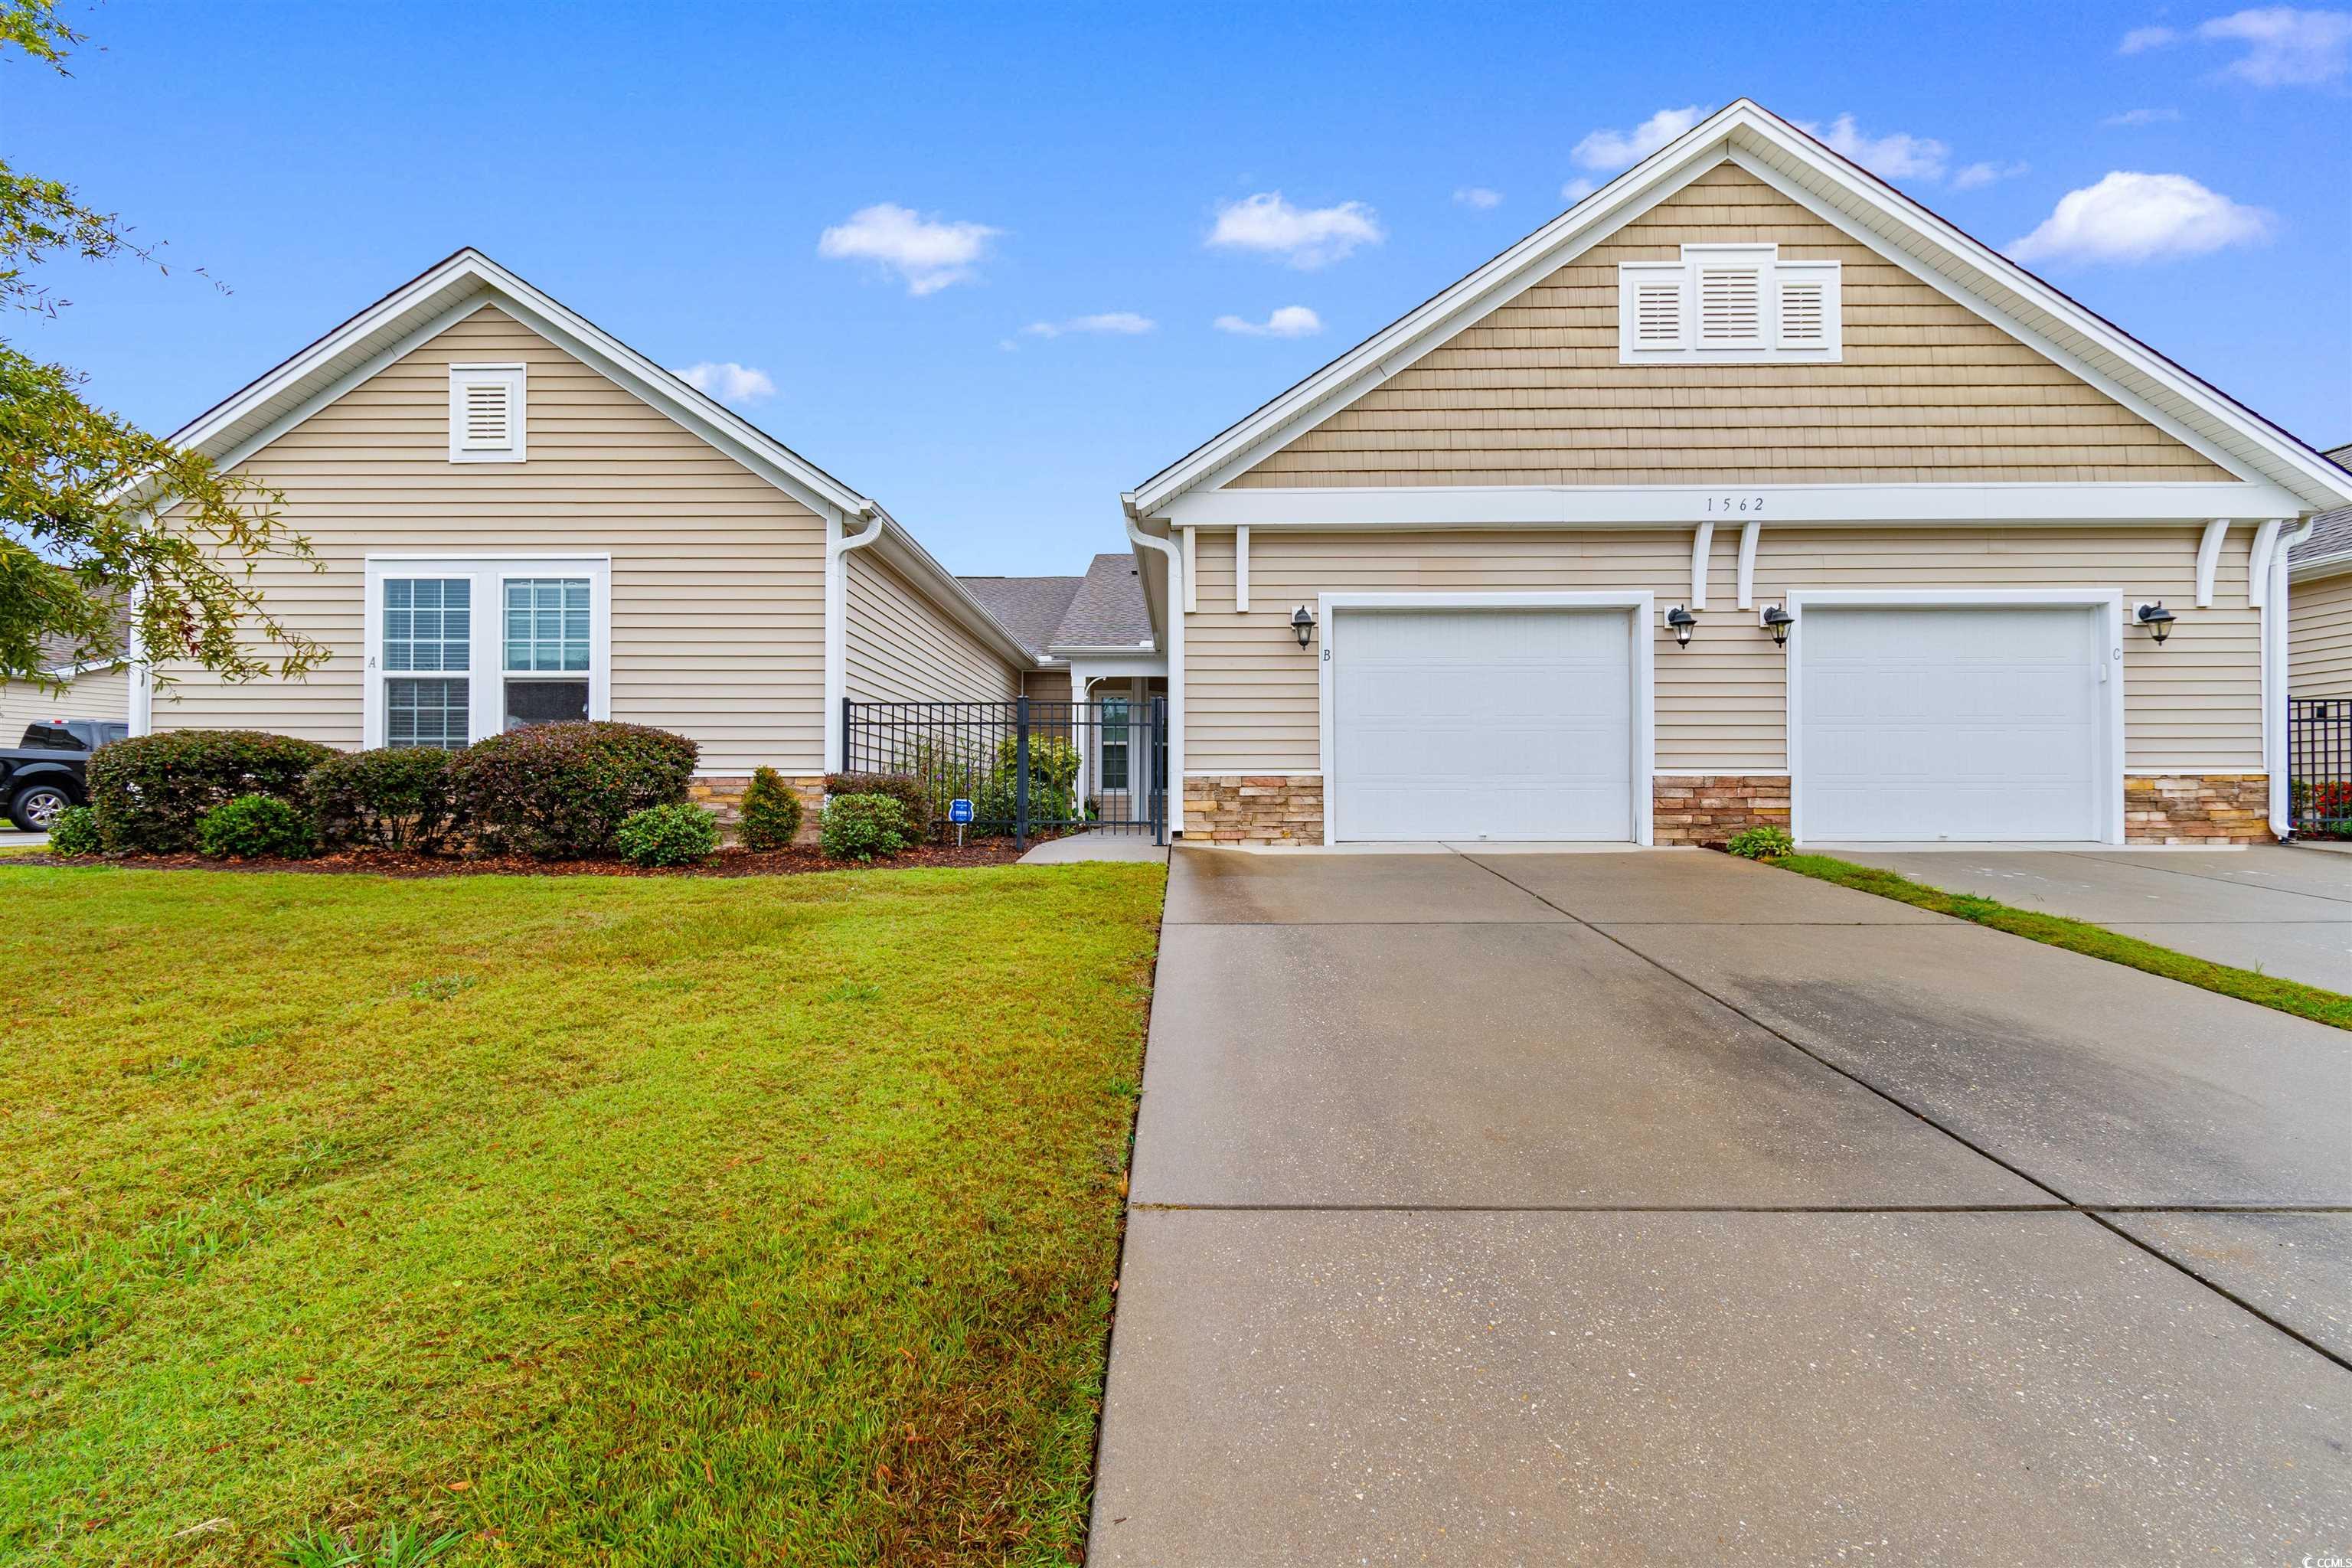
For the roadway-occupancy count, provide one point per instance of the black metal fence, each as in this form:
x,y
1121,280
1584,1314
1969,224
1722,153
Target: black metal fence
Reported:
x,y
2319,766
1029,767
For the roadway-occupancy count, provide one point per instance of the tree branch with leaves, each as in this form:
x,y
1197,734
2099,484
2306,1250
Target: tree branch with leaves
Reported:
x,y
97,514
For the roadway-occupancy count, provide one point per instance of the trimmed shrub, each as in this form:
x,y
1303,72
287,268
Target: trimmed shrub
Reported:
x,y
252,825
1764,843
74,831
771,812
917,812
149,791
555,789
384,799
668,836
1053,773
862,826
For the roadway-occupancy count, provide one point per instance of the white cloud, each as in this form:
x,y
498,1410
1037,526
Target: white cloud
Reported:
x,y
1110,324
1985,174
927,253
1898,155
2129,218
1610,151
1576,190
1289,321
1306,237
2284,46
729,382
2143,117
2141,38
1478,197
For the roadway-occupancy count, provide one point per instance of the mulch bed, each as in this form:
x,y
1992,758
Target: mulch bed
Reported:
x,y
728,862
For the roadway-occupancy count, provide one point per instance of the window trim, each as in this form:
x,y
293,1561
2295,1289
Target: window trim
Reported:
x,y
486,670
1769,346
515,378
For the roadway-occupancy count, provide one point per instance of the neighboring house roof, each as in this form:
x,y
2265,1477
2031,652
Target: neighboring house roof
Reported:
x,y
1031,608
2187,408
1101,612
58,654
2328,551
283,396
1108,611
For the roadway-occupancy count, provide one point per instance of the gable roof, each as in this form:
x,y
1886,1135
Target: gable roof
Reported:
x,y
2328,551
1101,611
315,375
1808,172
1031,608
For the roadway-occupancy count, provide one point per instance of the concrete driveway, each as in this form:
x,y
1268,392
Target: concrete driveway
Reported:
x,y
2280,910
1658,1206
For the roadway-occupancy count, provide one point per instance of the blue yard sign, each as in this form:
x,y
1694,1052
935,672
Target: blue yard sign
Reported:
x,y
959,812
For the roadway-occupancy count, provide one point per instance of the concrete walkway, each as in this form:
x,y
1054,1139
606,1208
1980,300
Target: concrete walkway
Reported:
x,y
1095,846
1533,1209
2277,910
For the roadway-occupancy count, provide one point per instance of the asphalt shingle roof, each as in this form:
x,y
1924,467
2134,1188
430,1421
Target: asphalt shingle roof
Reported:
x,y
1030,608
2331,532
1105,608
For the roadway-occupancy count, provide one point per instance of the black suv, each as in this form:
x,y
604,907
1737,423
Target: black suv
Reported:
x,y
48,771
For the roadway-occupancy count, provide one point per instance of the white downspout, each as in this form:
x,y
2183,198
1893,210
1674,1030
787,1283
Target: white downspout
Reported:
x,y
1177,588
2276,632
836,622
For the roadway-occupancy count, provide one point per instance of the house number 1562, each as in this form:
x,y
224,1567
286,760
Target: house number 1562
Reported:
x,y
1735,503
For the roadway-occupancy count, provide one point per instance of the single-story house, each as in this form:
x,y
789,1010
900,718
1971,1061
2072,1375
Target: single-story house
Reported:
x,y
2319,604
98,688
1748,490
517,517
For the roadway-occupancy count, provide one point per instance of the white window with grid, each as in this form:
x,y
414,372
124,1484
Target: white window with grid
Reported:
x,y
461,649
1730,304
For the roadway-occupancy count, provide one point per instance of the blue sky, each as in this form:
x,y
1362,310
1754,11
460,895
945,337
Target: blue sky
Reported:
x,y
1124,178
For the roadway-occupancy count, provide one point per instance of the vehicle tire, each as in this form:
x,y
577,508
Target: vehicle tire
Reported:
x,y
36,805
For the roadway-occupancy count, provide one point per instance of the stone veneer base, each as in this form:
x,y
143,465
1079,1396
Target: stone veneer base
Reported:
x,y
1709,808
723,793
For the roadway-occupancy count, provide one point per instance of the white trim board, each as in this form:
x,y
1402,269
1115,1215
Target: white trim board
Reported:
x,y
2209,422
1641,606
1652,506
2109,600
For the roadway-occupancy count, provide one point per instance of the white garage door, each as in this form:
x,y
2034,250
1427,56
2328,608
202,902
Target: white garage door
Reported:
x,y
1926,724
1497,724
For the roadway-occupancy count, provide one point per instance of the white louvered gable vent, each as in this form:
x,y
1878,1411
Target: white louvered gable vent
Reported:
x,y
485,414
1729,304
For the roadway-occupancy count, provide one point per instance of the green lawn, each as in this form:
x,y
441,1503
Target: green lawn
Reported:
x,y
601,1220
2311,1002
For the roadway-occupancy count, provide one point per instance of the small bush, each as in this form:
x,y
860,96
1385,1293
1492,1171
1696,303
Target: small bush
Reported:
x,y
668,836
1767,842
1053,773
74,831
149,791
862,826
384,799
557,790
771,812
253,825
917,809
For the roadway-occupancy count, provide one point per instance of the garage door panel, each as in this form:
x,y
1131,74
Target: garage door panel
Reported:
x,y
1471,723
1955,723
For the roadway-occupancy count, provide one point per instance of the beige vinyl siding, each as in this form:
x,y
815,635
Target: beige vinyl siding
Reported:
x,y
1047,685
718,577
1532,393
1251,696
102,694
2319,647
904,648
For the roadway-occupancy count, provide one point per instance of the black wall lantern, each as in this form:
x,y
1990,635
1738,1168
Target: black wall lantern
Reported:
x,y
1302,621
1680,621
2155,618
1776,620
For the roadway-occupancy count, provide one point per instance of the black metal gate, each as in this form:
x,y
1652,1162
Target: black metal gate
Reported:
x,y
2319,766
1030,766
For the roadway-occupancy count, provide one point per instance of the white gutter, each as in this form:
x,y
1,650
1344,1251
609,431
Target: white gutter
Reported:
x,y
836,622
1176,588
2275,634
